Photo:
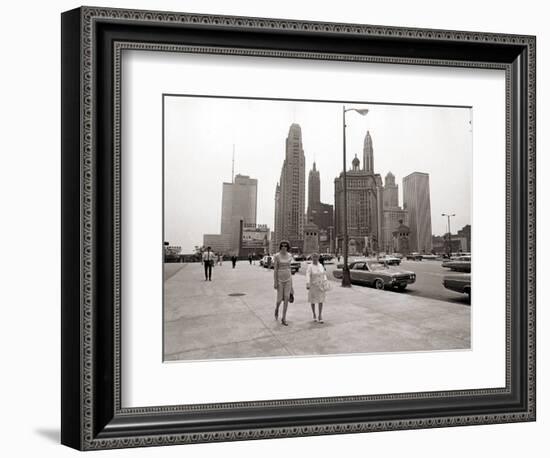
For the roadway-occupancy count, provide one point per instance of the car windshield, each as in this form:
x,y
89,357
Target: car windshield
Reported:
x,y
374,265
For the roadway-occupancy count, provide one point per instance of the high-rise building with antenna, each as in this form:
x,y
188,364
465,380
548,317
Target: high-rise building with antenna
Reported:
x,y
292,184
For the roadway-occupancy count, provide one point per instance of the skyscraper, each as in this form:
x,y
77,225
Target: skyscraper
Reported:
x,y
391,191
364,204
292,189
313,190
319,213
368,154
239,200
277,224
416,200
393,214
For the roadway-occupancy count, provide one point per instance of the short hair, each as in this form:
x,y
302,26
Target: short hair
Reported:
x,y
284,242
209,248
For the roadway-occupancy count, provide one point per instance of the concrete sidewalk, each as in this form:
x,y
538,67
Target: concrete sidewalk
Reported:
x,y
203,320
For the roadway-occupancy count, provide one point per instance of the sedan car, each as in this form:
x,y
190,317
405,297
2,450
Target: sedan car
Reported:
x,y
390,260
294,266
460,264
461,283
379,275
414,256
267,262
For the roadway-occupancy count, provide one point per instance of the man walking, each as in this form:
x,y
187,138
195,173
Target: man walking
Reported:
x,y
234,261
208,258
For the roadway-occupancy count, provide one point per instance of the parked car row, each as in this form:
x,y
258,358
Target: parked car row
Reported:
x,y
379,274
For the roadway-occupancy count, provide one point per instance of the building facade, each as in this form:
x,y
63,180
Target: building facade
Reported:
x,y
219,243
393,215
466,233
255,240
416,200
364,205
319,213
401,238
311,239
290,197
239,203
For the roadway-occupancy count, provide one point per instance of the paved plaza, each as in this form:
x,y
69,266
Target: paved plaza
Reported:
x,y
232,317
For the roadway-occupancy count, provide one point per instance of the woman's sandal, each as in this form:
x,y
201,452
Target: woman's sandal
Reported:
x,y
284,323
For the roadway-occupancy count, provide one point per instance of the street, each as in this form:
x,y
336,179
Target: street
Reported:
x,y
429,276
232,317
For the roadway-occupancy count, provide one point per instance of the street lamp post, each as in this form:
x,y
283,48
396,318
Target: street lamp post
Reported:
x,y
346,279
449,215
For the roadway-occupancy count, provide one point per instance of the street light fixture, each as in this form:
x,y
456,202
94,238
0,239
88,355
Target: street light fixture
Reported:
x,y
346,279
448,215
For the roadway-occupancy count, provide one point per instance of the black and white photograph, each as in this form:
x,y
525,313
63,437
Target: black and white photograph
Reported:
x,y
311,228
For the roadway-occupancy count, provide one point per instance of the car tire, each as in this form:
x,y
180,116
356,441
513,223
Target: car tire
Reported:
x,y
379,284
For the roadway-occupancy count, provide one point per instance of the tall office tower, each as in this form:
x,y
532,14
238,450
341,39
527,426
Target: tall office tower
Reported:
x,y
277,224
293,189
239,202
368,154
313,190
416,200
319,213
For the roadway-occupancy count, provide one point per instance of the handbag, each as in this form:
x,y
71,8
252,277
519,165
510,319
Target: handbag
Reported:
x,y
325,285
291,298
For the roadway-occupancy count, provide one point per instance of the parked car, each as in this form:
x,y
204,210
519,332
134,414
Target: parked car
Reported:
x,y
390,260
294,266
430,257
461,283
267,262
459,264
379,275
414,256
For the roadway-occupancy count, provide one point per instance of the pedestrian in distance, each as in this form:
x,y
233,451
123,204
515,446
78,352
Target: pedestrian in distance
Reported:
x,y
220,259
282,279
208,258
250,259
234,261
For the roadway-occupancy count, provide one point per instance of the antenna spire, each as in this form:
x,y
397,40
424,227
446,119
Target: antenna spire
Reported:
x,y
233,165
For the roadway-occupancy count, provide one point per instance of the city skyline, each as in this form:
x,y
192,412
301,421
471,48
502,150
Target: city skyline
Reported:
x,y
262,163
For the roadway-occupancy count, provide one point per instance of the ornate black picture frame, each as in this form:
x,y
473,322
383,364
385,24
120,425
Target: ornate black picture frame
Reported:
x,y
92,41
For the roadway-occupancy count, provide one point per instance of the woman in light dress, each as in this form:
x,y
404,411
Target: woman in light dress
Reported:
x,y
316,282
282,279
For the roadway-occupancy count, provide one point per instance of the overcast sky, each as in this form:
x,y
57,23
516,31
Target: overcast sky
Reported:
x,y
200,133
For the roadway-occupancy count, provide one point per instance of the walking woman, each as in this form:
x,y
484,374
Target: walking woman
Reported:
x,y
282,277
316,284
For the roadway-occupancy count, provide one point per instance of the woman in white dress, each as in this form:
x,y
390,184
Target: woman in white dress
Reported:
x,y
282,279
316,280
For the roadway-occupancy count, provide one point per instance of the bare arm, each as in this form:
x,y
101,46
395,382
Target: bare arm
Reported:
x,y
275,271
